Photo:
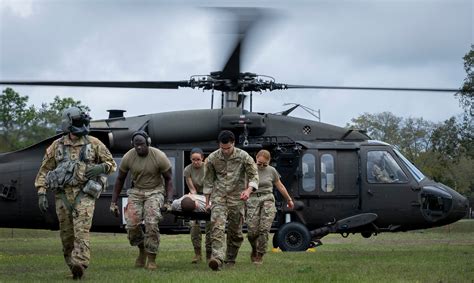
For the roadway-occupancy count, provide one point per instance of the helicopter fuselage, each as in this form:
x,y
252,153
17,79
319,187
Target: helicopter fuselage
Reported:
x,y
328,170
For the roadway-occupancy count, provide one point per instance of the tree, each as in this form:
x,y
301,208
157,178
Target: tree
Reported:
x,y
15,119
23,125
381,126
466,95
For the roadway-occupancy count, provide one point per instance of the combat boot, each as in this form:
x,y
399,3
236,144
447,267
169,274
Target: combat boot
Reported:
x,y
258,259
215,264
151,264
208,256
141,259
253,255
77,271
197,256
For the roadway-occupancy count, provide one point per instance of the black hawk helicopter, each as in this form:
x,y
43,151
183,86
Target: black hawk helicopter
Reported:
x,y
328,170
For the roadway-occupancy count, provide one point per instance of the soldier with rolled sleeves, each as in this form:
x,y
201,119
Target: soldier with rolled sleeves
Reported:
x,y
74,168
194,177
231,175
148,166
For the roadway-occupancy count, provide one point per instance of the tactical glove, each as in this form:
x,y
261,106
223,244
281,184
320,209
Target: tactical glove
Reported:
x,y
42,202
96,170
114,209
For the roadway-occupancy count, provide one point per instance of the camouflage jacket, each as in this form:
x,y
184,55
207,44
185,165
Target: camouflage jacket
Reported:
x,y
95,153
227,178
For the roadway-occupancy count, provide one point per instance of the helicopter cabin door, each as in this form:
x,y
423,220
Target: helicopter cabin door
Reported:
x,y
330,183
387,188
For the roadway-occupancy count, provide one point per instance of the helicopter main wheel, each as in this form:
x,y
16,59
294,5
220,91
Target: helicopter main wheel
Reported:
x,y
293,237
366,234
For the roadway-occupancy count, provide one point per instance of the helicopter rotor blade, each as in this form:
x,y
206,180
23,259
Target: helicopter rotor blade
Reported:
x,y
373,88
116,84
246,20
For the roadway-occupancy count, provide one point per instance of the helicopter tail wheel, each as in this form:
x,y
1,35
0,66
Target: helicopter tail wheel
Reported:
x,y
293,237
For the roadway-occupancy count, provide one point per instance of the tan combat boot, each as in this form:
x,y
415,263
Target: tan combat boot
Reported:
x,y
258,259
141,259
151,264
253,255
197,256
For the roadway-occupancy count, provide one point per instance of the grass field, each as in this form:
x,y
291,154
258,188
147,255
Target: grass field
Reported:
x,y
443,254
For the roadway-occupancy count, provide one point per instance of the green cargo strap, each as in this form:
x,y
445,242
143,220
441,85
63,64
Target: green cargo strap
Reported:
x,y
71,207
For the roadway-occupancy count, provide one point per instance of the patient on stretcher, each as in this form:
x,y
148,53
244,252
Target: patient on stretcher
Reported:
x,y
190,203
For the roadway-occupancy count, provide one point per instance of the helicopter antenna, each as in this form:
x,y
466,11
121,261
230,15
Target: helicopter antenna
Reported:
x,y
312,112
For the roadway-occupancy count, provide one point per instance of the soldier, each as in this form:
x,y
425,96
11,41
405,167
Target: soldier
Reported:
x,y
194,176
261,208
74,168
148,167
228,171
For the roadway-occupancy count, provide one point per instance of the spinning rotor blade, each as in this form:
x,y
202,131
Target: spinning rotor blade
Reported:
x,y
117,84
373,88
246,19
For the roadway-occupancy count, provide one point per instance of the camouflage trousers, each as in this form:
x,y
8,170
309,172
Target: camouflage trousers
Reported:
x,y
74,228
261,211
144,206
234,216
196,237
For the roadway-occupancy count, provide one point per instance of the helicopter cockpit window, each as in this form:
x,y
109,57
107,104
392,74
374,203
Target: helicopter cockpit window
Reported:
x,y
309,172
327,173
382,168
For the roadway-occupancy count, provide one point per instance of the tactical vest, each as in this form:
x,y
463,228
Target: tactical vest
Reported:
x,y
69,172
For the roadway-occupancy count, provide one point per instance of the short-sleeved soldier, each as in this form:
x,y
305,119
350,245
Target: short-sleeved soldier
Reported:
x,y
148,167
261,208
74,168
194,176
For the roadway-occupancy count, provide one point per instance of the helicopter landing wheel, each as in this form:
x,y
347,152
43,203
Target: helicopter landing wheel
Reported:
x,y
293,237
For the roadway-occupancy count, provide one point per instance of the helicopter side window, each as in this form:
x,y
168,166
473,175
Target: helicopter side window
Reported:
x,y
327,173
382,168
309,172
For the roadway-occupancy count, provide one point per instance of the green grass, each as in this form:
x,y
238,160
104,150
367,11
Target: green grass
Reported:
x,y
443,254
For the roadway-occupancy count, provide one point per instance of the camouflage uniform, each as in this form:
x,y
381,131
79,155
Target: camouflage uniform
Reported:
x,y
261,210
74,227
197,176
224,180
146,197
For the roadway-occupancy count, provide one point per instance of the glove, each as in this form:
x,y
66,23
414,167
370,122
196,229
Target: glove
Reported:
x,y
114,209
42,202
96,170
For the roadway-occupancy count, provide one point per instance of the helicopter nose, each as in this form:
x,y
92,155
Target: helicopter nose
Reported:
x,y
443,205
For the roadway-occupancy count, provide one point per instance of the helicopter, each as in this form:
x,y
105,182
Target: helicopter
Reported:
x,y
328,170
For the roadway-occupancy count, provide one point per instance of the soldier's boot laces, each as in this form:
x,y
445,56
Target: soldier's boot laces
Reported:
x,y
197,256
258,259
77,271
151,264
141,259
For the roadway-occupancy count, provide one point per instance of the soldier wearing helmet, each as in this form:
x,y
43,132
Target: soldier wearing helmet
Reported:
x,y
74,168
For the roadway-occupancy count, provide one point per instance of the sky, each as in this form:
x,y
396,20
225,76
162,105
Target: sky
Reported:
x,y
414,44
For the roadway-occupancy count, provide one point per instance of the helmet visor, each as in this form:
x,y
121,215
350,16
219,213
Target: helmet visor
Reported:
x,y
80,121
